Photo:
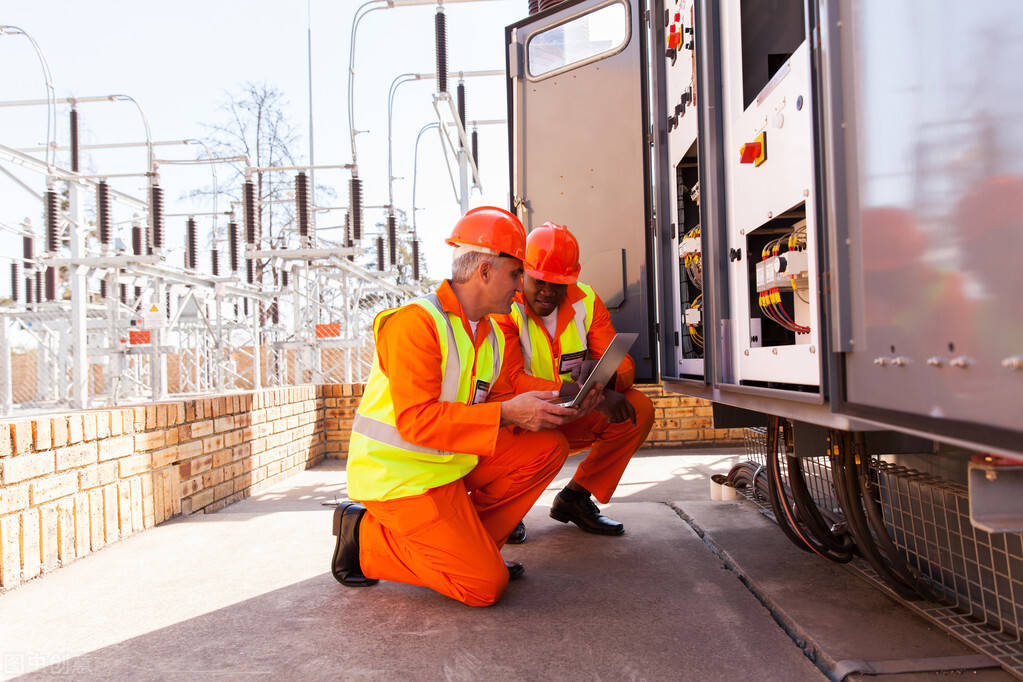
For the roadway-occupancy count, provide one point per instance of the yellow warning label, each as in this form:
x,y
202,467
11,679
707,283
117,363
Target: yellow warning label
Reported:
x,y
154,309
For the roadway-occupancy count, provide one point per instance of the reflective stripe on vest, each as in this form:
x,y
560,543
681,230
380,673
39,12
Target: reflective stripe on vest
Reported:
x,y
537,353
381,464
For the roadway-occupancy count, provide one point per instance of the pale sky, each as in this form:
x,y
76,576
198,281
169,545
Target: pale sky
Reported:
x,y
179,60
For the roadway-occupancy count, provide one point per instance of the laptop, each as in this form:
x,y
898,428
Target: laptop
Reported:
x,y
604,368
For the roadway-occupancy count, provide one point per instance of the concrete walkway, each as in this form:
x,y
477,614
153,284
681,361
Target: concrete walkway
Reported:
x,y
246,592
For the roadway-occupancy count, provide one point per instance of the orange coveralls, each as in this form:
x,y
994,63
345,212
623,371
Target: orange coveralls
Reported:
x,y
611,445
448,538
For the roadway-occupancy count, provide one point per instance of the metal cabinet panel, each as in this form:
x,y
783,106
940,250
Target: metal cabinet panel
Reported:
x,y
578,156
932,120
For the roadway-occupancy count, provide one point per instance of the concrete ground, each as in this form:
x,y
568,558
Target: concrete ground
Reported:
x,y
696,590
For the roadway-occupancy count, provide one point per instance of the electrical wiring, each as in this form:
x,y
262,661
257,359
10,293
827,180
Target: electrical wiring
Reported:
x,y
787,512
844,478
694,332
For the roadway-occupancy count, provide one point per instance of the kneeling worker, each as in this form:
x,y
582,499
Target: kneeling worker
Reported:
x,y
442,482
556,322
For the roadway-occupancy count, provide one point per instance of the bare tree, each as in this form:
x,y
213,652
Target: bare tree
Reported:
x,y
255,125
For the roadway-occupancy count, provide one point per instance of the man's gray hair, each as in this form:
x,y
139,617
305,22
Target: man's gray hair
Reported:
x,y
466,263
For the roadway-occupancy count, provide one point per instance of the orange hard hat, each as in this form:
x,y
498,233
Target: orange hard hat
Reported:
x,y
552,254
491,228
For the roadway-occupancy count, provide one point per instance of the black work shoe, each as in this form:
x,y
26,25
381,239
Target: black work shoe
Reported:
x,y
580,510
515,569
518,536
345,563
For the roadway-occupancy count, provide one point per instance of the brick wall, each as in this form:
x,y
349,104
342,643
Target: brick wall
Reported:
x,y
71,484
678,420
684,420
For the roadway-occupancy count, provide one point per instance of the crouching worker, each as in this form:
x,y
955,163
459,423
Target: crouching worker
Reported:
x,y
441,483
556,323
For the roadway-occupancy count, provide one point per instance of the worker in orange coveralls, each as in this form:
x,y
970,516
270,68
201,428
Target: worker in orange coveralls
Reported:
x,y
442,474
556,323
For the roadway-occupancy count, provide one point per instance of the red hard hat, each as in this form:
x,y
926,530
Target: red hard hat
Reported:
x,y
552,254
492,228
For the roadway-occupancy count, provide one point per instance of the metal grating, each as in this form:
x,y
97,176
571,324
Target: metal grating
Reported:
x,y
816,470
980,574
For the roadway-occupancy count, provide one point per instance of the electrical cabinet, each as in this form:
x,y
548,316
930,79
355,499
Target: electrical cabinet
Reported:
x,y
814,205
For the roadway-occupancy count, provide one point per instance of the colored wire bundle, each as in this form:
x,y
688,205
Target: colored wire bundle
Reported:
x,y
771,307
694,330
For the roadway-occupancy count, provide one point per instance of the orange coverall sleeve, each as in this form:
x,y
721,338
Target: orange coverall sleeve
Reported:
x,y
513,368
409,350
599,338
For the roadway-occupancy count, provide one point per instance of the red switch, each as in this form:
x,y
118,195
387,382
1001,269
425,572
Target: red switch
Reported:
x,y
754,152
674,39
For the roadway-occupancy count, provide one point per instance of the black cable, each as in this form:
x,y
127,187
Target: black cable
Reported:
x,y
840,546
788,513
775,488
875,521
843,472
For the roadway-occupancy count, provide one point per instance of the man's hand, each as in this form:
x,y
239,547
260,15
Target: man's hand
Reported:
x,y
616,408
593,398
532,411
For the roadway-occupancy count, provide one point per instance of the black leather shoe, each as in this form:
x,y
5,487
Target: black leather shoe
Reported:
x,y
515,569
518,536
345,563
580,510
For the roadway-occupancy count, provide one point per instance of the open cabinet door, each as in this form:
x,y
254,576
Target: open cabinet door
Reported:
x,y
578,153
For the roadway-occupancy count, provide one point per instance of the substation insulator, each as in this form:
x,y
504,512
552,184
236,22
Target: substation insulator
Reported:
x,y
250,271
302,204
137,245
138,293
103,217
415,259
191,243
441,31
28,250
245,307
29,297
232,243
51,284
39,286
275,314
284,279
392,240
167,302
476,149
103,289
380,254
73,120
251,226
215,262
52,220
156,217
15,281
124,294
355,207
460,101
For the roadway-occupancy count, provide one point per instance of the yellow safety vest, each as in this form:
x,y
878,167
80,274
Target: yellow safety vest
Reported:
x,y
381,464
537,354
